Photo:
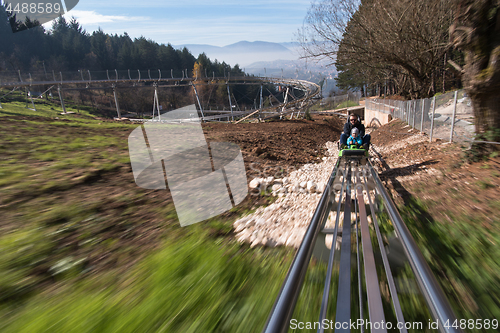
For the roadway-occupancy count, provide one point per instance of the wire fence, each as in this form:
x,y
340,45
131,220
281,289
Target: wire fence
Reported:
x,y
447,116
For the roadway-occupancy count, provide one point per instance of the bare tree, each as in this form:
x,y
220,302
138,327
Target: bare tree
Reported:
x,y
324,28
393,38
476,31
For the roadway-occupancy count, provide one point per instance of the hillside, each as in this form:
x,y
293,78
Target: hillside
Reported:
x,y
101,254
81,239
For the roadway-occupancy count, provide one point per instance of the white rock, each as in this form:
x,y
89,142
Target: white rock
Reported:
x,y
238,223
254,184
270,242
255,242
311,186
239,228
243,237
281,240
285,221
290,241
249,223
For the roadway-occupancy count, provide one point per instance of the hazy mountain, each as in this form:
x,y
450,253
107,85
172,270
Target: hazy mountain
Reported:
x,y
197,49
258,46
243,53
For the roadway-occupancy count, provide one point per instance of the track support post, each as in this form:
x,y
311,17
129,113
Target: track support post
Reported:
x,y
116,102
156,102
432,117
198,99
61,98
454,115
230,103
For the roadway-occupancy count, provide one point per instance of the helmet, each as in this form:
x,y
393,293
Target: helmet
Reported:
x,y
354,132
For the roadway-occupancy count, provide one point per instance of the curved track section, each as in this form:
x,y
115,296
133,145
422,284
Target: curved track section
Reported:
x,y
86,80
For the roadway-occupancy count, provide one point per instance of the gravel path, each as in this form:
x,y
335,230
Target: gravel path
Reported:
x,y
285,221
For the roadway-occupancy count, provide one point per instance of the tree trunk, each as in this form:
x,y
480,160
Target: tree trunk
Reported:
x,y
444,74
476,31
487,113
482,83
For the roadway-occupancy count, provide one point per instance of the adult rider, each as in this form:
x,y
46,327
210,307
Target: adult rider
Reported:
x,y
354,122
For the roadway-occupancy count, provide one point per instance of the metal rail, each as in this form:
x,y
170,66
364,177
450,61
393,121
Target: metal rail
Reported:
x,y
434,295
357,175
289,293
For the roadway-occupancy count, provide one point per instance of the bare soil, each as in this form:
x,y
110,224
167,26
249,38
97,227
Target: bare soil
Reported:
x,y
278,146
438,173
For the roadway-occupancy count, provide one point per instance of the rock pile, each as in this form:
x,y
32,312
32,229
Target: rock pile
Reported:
x,y
285,221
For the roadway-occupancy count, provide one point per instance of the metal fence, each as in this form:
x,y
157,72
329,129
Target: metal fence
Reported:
x,y
447,116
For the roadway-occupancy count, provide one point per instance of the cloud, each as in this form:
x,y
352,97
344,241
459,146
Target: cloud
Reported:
x,y
92,17
91,20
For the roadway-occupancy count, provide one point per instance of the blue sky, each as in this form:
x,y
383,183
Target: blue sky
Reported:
x,y
214,22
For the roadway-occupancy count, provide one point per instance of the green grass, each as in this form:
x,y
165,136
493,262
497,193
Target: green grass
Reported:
x,y
346,104
485,184
48,146
332,106
464,256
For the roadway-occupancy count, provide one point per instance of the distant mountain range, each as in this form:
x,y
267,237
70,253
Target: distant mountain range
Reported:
x,y
243,53
268,59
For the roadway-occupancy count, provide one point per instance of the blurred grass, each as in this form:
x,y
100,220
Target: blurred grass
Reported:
x,y
191,285
333,106
464,256
196,279
346,104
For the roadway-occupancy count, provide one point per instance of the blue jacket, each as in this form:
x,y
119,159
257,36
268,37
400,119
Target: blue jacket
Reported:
x,y
352,141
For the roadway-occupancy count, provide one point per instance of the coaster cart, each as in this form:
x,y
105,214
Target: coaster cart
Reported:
x,y
355,152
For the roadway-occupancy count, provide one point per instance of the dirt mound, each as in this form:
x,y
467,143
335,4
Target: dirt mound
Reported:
x,y
436,172
278,146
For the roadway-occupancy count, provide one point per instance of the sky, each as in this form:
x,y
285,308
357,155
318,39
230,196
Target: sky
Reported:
x,y
213,22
